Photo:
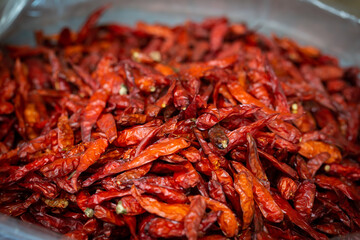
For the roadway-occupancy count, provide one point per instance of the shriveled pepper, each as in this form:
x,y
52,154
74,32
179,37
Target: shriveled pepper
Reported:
x,y
150,154
92,154
176,212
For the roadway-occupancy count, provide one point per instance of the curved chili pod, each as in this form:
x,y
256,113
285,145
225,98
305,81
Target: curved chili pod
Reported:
x,y
132,174
193,218
310,149
151,153
243,186
30,167
107,215
91,21
253,162
227,219
107,124
91,113
296,218
16,209
243,97
60,167
65,133
176,212
163,193
92,154
349,190
164,228
315,163
128,205
349,171
102,196
134,135
279,165
270,210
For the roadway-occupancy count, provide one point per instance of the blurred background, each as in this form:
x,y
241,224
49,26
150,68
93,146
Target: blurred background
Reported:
x,y
349,6
14,13
331,25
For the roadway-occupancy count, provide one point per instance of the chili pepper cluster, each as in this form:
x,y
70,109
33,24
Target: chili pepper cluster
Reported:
x,y
204,130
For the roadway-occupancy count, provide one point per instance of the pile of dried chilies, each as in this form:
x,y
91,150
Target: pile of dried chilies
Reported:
x,y
201,131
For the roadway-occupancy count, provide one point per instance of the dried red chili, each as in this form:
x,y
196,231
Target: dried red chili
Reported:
x,y
193,218
116,132
243,186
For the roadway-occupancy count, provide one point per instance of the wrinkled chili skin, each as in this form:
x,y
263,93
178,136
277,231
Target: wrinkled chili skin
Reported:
x,y
193,218
204,130
243,186
287,187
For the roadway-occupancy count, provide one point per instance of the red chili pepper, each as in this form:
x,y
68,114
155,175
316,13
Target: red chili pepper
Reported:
x,y
335,183
217,35
65,133
37,184
253,162
77,234
193,218
107,215
133,174
216,191
39,143
218,137
143,226
131,223
296,218
134,135
227,220
58,224
30,167
166,181
150,154
102,196
16,209
351,171
143,132
60,167
310,149
176,212
163,193
91,113
90,23
128,205
279,165
107,124
243,186
270,210
315,163
243,97
163,228
238,136
302,168
287,187
181,98
335,229
92,154
173,158
336,210
188,178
